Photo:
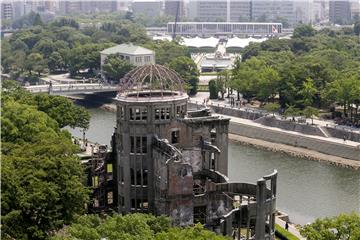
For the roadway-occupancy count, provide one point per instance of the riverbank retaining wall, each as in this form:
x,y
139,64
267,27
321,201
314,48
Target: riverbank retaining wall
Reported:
x,y
319,145
290,126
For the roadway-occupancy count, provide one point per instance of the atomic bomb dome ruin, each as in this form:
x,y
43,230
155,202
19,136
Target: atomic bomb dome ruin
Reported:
x,y
168,160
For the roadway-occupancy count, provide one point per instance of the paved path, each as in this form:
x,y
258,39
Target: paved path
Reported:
x,y
225,103
329,139
292,228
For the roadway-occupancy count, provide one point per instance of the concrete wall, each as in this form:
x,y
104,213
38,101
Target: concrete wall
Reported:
x,y
235,112
290,126
282,124
336,149
339,133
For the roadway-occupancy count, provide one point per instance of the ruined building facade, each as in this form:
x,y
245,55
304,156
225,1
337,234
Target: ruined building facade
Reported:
x,y
170,161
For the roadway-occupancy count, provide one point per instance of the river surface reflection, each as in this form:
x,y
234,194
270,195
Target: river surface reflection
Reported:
x,y
306,189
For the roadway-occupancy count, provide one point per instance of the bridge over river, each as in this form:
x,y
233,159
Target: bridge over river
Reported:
x,y
70,89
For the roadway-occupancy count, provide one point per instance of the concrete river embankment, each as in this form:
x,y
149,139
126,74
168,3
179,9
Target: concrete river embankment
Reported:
x,y
313,146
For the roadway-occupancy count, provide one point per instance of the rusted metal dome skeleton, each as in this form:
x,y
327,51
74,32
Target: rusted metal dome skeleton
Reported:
x,y
152,79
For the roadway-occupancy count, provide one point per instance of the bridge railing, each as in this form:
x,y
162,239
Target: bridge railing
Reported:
x,y
69,87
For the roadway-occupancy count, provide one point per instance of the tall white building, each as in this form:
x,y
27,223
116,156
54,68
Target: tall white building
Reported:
x,y
340,11
320,11
7,11
220,10
291,11
150,8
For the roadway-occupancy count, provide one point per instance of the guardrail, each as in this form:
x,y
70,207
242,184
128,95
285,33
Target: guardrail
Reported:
x,y
71,88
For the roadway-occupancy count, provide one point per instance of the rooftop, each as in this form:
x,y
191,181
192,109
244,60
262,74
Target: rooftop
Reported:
x,y
129,49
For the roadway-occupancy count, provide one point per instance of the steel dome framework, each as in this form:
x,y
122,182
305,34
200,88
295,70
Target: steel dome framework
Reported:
x,y
152,78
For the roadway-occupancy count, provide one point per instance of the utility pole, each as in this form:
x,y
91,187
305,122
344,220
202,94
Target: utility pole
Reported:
x,y
176,19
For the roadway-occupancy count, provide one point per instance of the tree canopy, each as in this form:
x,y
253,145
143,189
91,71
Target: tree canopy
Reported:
x,y
115,67
132,226
42,179
188,71
312,69
344,226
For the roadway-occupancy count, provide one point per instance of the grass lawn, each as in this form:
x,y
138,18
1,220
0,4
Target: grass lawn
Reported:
x,y
281,233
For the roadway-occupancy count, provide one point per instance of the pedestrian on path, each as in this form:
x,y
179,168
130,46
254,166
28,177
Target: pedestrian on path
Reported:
x,y
287,226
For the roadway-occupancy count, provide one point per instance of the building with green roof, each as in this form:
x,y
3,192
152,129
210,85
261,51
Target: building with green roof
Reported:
x,y
136,55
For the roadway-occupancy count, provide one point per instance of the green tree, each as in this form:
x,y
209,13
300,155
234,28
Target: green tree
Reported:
x,y
56,62
59,108
166,51
311,112
132,226
267,84
213,89
344,226
188,71
272,107
251,50
61,22
357,27
85,57
37,20
222,82
45,47
41,178
115,67
343,90
35,62
304,30
292,111
308,92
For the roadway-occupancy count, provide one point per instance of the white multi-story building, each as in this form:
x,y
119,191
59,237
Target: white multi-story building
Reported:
x,y
205,29
150,8
320,11
7,10
220,10
291,11
340,11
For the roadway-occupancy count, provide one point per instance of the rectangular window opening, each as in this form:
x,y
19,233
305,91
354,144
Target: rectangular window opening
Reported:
x,y
132,144
175,136
144,145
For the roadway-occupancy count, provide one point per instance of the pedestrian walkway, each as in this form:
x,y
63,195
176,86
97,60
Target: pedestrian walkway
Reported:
x,y
329,139
292,229
201,96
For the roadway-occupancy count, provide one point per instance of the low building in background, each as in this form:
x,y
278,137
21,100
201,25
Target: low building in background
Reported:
x,y
207,29
136,55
